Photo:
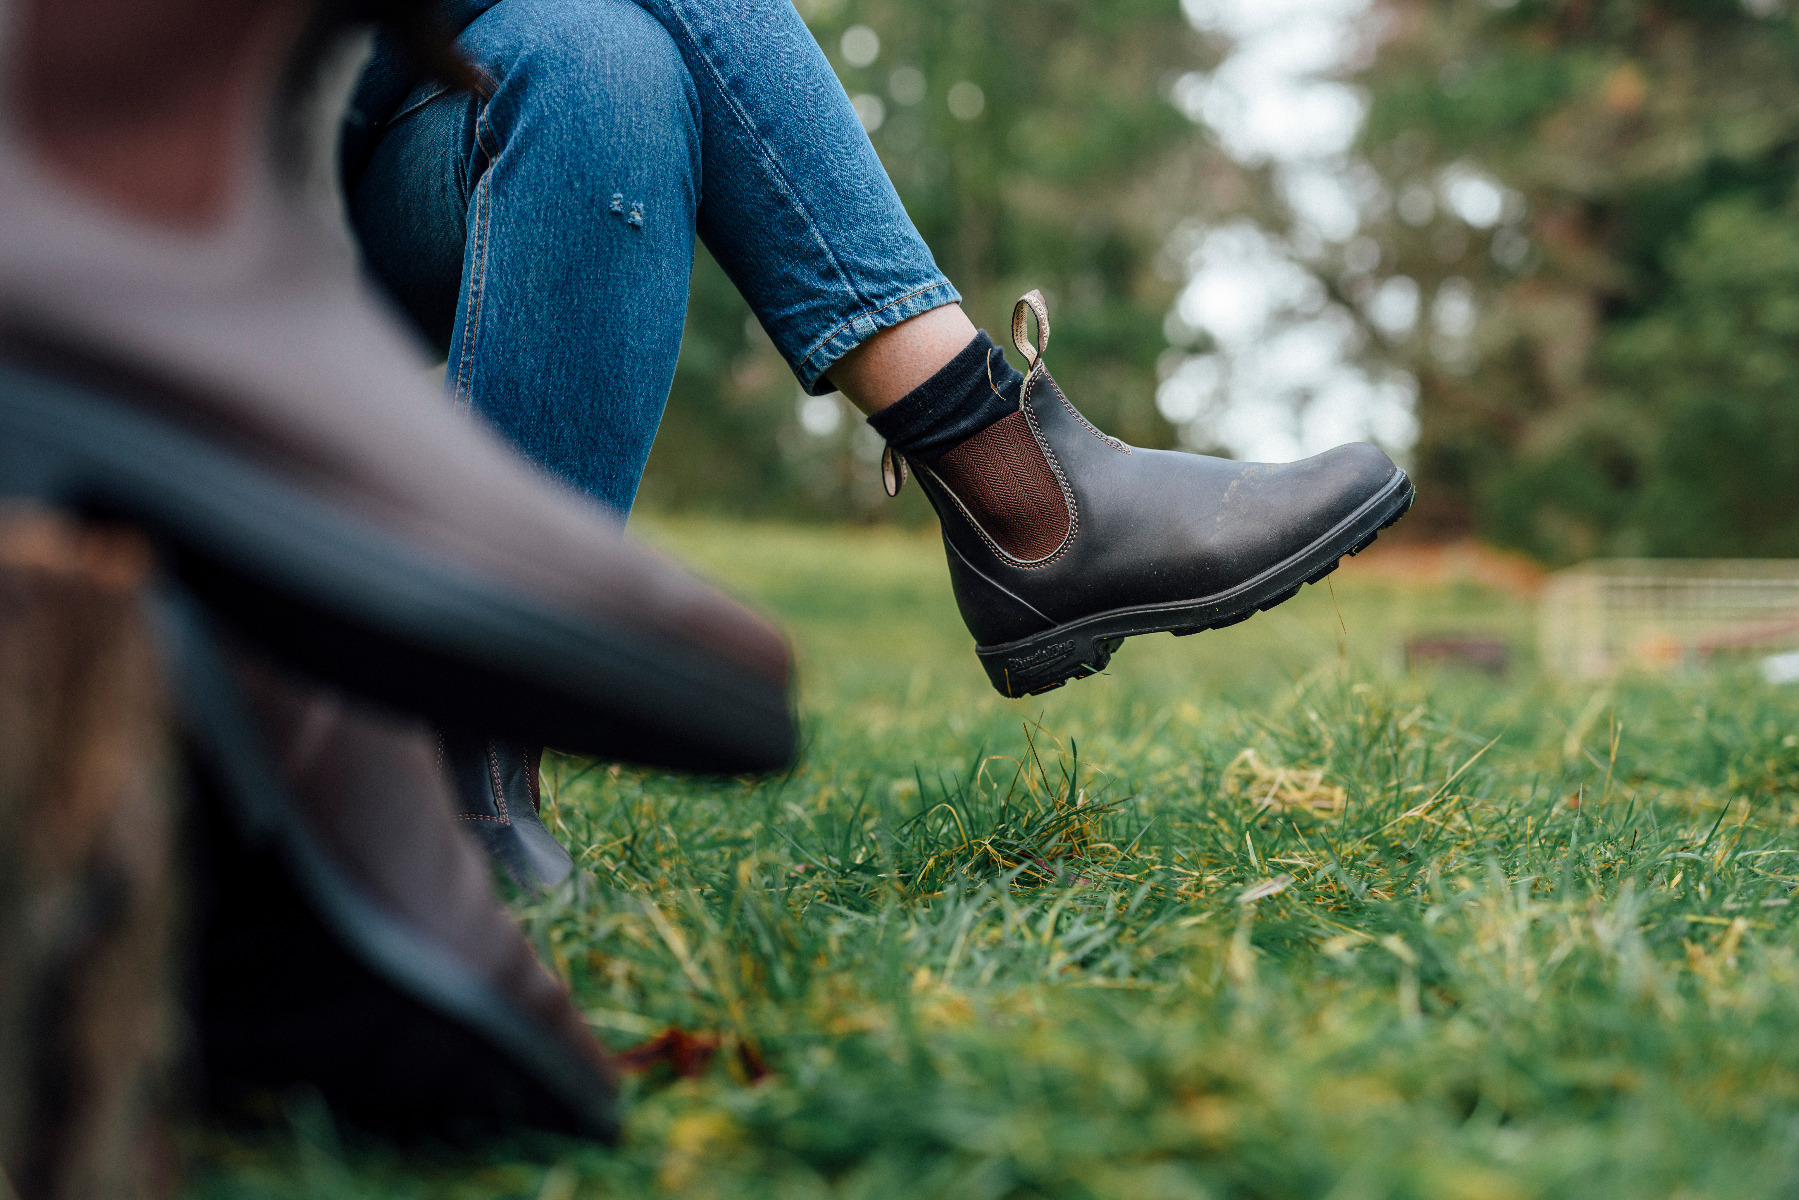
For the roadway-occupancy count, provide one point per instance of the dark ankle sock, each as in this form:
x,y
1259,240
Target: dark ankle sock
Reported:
x,y
954,404
981,446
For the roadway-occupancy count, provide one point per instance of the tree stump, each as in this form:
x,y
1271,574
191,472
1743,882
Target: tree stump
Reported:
x,y
88,889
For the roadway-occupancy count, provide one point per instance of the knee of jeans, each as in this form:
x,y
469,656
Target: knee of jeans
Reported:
x,y
587,62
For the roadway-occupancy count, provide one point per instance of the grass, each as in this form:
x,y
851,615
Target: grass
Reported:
x,y
1255,914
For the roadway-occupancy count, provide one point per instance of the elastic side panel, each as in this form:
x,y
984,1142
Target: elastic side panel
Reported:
x,y
1001,475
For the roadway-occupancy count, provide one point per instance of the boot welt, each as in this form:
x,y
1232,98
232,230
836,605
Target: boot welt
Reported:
x,y
1075,649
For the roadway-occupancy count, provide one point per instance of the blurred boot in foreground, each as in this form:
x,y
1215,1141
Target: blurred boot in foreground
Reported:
x,y
185,347
382,539
89,894
350,937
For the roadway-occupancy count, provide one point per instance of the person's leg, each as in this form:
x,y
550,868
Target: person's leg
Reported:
x,y
543,235
559,312
798,210
895,361
1062,542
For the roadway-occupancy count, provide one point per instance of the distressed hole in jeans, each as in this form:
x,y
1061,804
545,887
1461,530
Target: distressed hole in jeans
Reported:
x,y
635,218
618,202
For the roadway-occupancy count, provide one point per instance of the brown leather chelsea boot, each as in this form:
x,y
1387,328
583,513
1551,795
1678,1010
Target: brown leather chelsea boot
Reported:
x,y
342,562
1063,541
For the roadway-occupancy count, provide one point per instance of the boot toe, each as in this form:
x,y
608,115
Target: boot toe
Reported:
x,y
1318,493
1363,467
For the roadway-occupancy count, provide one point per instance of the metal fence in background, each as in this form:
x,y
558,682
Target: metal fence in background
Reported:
x,y
1610,615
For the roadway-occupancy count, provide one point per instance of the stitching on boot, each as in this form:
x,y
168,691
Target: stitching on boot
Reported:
x,y
1038,370
1049,456
499,793
974,523
1076,414
499,789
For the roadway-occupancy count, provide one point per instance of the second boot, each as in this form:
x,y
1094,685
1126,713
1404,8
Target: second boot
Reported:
x,y
500,801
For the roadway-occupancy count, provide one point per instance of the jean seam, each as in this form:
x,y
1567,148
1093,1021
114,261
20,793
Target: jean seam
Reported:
x,y
869,312
471,323
483,191
405,110
482,121
766,152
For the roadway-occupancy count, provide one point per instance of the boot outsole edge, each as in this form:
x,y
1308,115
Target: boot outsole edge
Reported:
x,y
1045,661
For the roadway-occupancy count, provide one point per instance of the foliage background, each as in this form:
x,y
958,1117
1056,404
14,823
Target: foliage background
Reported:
x,y
1629,388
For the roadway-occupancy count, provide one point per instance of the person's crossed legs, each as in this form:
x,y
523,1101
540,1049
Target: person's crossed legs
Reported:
x,y
542,234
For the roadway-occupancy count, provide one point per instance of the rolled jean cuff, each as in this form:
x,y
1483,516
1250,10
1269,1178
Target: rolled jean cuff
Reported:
x,y
864,325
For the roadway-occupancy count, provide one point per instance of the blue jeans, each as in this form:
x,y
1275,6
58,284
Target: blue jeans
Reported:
x,y
543,235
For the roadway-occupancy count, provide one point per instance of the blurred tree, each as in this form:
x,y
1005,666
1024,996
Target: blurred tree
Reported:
x,y
1592,205
1034,145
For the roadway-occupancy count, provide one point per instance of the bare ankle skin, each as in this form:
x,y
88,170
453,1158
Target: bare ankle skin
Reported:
x,y
897,359
148,106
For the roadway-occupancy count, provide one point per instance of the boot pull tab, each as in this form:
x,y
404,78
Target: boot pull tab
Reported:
x,y
1034,301
893,471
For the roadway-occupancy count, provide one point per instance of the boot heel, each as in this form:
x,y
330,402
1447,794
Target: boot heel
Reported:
x,y
1034,665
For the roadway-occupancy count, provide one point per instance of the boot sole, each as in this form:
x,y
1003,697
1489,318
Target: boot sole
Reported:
x,y
355,605
1045,661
